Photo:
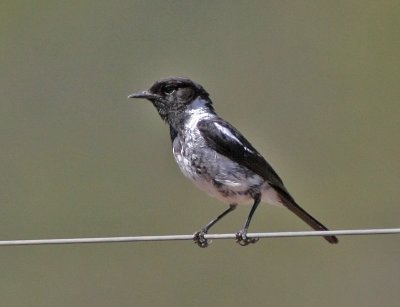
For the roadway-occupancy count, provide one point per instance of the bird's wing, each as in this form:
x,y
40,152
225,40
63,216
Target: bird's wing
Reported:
x,y
229,142
226,140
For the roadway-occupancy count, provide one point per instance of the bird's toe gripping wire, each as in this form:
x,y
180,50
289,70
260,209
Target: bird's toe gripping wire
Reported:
x,y
243,240
198,238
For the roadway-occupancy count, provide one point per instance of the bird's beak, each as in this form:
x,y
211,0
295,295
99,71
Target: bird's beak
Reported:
x,y
144,94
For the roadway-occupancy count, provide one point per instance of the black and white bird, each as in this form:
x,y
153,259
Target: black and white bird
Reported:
x,y
216,157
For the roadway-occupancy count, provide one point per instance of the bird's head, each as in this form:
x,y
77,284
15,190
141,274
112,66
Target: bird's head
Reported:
x,y
172,96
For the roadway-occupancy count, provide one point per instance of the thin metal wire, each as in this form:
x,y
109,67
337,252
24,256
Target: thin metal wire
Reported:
x,y
208,236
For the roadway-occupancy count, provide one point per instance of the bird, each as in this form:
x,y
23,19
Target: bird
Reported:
x,y
217,158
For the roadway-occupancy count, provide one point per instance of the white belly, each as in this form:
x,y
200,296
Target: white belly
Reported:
x,y
221,182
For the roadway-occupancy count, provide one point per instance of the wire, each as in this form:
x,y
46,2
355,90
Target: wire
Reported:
x,y
208,236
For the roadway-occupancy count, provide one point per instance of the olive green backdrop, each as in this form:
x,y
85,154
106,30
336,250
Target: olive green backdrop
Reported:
x,y
313,84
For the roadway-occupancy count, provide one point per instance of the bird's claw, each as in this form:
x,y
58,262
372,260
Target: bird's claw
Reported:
x,y
243,240
199,239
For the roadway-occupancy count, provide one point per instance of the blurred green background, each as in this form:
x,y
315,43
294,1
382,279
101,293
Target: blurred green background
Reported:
x,y
313,84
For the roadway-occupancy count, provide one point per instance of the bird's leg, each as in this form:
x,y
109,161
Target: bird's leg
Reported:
x,y
198,237
241,236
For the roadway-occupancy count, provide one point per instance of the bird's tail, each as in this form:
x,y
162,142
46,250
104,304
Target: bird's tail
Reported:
x,y
291,204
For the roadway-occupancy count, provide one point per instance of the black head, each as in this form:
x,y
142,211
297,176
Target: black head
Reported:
x,y
172,95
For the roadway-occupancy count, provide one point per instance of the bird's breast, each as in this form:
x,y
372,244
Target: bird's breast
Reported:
x,y
212,172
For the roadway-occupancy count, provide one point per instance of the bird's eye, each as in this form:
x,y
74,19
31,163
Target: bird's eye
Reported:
x,y
169,89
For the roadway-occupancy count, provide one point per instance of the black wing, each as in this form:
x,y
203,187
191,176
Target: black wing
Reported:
x,y
228,141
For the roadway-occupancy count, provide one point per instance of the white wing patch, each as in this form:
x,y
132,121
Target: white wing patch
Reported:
x,y
227,132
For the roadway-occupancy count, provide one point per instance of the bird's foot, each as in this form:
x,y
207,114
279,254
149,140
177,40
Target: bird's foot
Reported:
x,y
199,239
243,240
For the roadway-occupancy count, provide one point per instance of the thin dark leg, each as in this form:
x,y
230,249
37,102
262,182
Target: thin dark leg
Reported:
x,y
241,236
199,236
219,217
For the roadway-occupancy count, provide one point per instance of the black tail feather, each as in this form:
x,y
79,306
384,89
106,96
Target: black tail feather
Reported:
x,y
290,203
